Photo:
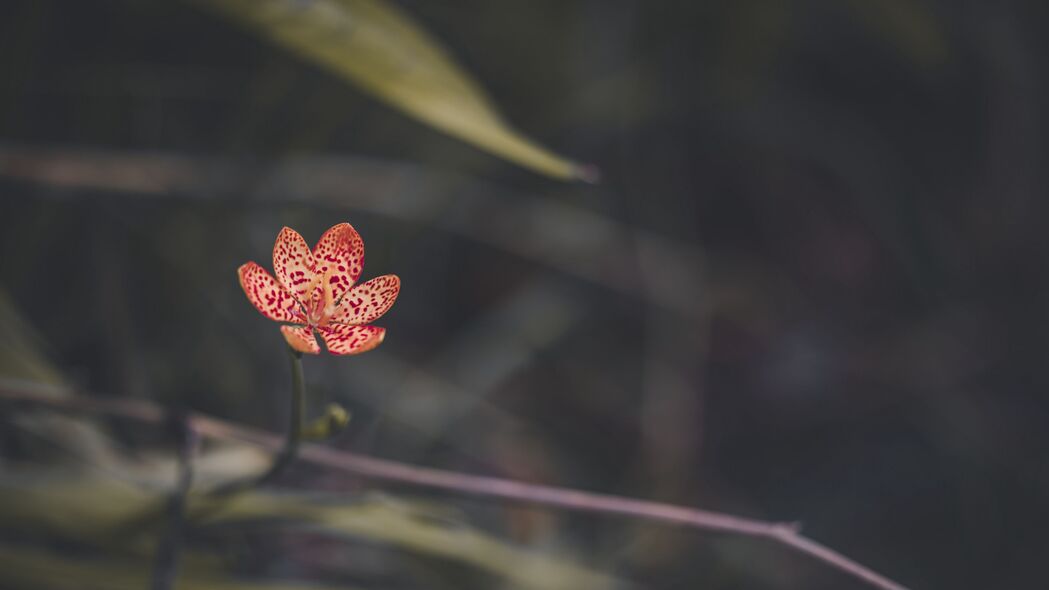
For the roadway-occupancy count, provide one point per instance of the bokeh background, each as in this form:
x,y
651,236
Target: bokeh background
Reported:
x,y
810,285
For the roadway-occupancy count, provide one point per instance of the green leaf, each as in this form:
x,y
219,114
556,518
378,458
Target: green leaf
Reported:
x,y
413,527
20,348
379,48
89,509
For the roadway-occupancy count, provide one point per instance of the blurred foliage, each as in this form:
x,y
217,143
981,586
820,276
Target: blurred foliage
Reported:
x,y
809,287
82,509
20,344
95,498
24,567
375,45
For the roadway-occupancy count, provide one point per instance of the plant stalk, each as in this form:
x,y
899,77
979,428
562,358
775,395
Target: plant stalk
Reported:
x,y
290,450
297,416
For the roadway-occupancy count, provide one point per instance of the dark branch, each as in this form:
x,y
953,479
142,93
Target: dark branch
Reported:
x,y
783,533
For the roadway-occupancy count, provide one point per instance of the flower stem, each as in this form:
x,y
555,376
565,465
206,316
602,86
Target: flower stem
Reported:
x,y
290,450
297,416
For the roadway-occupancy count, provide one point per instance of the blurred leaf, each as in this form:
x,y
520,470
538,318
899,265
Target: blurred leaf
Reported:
x,y
88,509
380,49
22,361
23,567
755,33
908,25
414,528
20,356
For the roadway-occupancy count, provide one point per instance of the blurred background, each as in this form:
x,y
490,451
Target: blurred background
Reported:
x,y
809,286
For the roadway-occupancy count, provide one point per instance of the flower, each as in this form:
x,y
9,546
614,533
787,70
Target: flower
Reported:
x,y
314,291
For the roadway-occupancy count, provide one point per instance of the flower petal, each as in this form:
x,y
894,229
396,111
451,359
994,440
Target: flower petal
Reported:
x,y
340,251
266,294
293,264
366,302
345,339
301,338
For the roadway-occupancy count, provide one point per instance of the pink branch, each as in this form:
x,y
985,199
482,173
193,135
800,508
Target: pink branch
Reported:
x,y
784,533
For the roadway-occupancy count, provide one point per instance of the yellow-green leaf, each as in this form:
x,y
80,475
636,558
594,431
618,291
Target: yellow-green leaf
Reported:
x,y
383,51
409,525
94,510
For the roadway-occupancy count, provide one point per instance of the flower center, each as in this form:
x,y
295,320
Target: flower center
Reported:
x,y
320,301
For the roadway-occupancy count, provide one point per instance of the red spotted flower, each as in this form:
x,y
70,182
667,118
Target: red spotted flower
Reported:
x,y
314,291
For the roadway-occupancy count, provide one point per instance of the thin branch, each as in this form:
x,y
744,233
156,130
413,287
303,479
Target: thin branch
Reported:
x,y
401,191
784,533
165,568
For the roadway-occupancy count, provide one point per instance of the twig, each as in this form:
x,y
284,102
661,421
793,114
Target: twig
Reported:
x,y
165,568
400,191
783,533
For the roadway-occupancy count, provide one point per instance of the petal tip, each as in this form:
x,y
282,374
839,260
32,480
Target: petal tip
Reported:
x,y
242,275
300,338
377,339
265,293
352,340
287,234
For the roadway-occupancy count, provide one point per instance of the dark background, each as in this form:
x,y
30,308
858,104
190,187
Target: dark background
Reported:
x,y
810,285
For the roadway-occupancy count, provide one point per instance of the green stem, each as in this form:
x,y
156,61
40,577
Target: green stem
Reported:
x,y
290,450
297,416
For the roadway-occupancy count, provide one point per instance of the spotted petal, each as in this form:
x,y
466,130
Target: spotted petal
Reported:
x,y
339,256
293,264
367,302
266,294
345,339
301,338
